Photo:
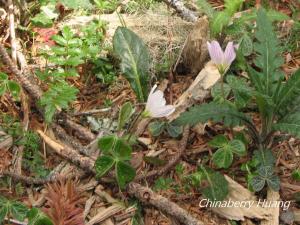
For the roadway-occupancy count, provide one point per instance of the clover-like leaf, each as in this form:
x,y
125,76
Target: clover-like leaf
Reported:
x,y
122,151
37,217
237,147
125,173
103,164
106,143
223,157
126,112
218,141
156,128
257,183
173,130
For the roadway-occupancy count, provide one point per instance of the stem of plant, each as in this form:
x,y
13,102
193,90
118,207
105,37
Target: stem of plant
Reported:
x,y
132,125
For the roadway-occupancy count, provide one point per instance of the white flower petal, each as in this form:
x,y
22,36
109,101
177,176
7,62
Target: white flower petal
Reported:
x,y
229,54
215,52
163,111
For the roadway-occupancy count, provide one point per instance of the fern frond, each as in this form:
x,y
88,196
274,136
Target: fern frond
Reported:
x,y
58,96
269,57
287,99
63,203
215,112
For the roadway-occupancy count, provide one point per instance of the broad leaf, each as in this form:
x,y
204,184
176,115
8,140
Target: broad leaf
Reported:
x,y
156,128
246,45
212,111
237,147
217,188
264,157
106,143
223,157
16,209
122,151
218,141
14,89
125,173
134,57
265,175
103,164
124,115
173,130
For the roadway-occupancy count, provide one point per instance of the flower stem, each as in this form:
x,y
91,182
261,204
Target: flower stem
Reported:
x,y
222,87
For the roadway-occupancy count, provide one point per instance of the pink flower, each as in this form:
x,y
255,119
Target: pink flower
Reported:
x,y
222,59
156,105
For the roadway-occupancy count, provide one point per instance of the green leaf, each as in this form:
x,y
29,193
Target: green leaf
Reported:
x,y
103,164
223,157
216,91
14,88
232,6
265,175
125,173
287,98
125,113
173,130
264,157
289,124
107,143
2,89
73,61
156,128
12,208
246,45
3,76
241,90
42,20
59,40
162,184
218,141
257,183
3,213
296,175
219,21
269,59
134,60
212,111
37,217
206,8
237,147
58,96
217,188
122,150
67,33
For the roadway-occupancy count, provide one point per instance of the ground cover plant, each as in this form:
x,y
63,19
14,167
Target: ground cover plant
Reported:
x,y
102,123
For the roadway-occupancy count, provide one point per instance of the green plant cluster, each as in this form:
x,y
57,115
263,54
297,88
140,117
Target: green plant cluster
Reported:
x,y
266,91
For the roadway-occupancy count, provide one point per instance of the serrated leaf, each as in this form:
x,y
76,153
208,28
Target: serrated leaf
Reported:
x,y
59,40
289,124
125,173
219,21
287,98
223,157
232,6
103,164
73,61
134,60
13,208
218,185
107,143
67,33
206,8
173,130
58,95
218,141
125,113
212,111
216,91
37,217
42,20
156,128
246,45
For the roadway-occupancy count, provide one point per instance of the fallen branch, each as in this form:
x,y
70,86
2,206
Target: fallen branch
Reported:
x,y
148,197
173,161
184,12
12,30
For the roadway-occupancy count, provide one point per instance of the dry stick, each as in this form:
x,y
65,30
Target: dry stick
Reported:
x,y
184,12
12,30
172,162
148,197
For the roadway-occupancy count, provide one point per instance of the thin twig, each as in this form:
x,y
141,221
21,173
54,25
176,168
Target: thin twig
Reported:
x,y
12,30
184,12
